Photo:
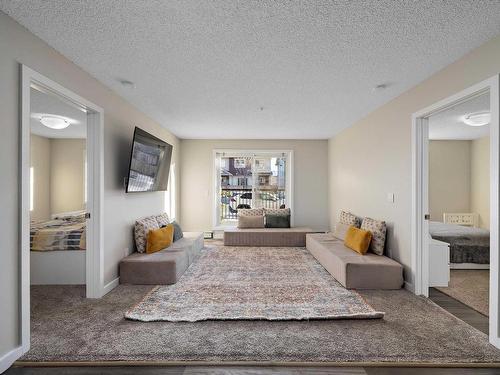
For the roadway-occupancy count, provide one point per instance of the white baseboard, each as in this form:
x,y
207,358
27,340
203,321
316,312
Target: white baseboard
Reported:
x,y
110,286
9,358
409,287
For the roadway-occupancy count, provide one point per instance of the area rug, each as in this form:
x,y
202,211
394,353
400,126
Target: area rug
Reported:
x,y
471,287
253,283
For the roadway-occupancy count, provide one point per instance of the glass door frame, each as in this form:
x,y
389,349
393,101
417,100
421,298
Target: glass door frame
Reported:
x,y
216,186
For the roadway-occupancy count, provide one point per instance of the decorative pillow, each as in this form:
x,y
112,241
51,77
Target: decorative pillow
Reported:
x,y
277,211
159,239
178,234
141,230
340,231
162,219
349,219
378,229
277,221
358,240
251,212
251,222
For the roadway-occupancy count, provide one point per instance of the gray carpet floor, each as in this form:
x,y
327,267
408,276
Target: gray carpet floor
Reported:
x,y
68,327
471,287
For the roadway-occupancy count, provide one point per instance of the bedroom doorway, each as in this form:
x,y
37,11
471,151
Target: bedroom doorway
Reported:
x,y
61,191
455,201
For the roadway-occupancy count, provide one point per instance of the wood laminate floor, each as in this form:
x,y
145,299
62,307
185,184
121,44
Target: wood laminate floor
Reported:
x,y
254,370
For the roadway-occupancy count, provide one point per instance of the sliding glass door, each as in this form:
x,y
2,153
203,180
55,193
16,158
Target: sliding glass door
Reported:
x,y
250,180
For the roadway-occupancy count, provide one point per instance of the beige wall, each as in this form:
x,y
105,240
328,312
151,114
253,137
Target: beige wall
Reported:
x,y
67,177
40,162
310,179
17,45
449,177
480,188
373,156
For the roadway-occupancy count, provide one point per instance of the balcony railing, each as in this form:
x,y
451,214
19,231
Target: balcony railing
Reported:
x,y
233,198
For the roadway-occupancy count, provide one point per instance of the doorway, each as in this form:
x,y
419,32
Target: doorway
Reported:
x,y
424,222
38,91
250,179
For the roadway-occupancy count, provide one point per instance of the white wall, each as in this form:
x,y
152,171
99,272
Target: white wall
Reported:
x,y
67,175
373,156
480,183
449,177
310,179
17,45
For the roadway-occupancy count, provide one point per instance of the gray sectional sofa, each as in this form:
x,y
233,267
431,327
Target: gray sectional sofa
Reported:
x,y
163,267
351,269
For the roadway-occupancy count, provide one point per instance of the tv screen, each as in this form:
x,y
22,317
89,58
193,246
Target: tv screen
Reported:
x,y
149,163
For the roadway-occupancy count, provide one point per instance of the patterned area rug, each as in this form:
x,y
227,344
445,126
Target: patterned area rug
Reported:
x,y
253,283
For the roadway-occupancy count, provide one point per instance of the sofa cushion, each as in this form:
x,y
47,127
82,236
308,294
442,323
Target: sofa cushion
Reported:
x,y
141,230
340,230
177,231
284,237
162,219
250,221
351,269
277,220
163,267
349,219
159,239
378,230
358,240
277,211
250,212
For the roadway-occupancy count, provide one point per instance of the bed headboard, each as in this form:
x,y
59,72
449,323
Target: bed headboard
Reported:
x,y
465,219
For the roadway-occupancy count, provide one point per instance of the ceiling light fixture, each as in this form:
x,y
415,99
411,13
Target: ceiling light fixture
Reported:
x,y
477,118
54,122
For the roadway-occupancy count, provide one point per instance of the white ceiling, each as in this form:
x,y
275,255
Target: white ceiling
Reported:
x,y
449,124
47,104
204,69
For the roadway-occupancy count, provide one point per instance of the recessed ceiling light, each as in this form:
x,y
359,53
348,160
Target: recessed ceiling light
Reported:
x,y
127,83
477,119
54,122
379,87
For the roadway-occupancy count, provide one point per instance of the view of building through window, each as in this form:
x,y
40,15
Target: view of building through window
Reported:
x,y
251,182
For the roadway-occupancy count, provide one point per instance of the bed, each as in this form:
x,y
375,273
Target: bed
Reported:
x,y
469,246
58,249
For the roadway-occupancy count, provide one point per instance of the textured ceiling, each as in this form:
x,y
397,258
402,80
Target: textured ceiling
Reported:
x,y
46,104
448,125
259,69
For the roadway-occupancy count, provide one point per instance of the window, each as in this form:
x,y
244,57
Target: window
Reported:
x,y
252,179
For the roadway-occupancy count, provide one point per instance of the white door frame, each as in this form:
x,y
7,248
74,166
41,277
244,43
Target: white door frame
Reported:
x,y
249,152
95,182
419,226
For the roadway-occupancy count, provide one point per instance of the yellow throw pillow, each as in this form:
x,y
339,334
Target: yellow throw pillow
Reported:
x,y
358,240
159,239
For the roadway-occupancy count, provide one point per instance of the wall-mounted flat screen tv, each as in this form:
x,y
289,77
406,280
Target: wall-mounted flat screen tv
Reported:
x,y
149,163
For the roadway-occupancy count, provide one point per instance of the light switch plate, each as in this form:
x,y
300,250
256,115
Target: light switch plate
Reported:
x,y
390,197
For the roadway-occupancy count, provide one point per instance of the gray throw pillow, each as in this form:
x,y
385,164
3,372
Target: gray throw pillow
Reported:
x,y
277,221
177,231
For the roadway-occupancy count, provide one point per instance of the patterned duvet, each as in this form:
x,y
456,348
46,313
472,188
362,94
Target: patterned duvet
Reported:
x,y
58,234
